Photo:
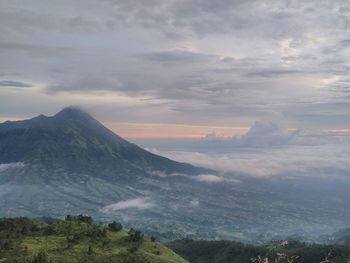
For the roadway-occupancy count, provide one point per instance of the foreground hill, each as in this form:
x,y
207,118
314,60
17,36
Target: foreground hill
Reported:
x,y
77,239
201,251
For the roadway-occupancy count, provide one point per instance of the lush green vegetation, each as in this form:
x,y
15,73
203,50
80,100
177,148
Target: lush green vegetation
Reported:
x,y
77,239
235,252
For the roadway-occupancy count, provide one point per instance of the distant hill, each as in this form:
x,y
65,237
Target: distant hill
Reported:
x,y
77,240
202,251
341,236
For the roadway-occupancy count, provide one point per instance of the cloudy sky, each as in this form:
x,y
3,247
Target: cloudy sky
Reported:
x,y
178,68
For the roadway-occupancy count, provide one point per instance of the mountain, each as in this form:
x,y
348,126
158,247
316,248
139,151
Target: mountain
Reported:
x,y
71,164
74,141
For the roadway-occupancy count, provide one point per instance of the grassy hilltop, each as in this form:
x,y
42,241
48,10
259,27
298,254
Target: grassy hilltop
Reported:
x,y
76,240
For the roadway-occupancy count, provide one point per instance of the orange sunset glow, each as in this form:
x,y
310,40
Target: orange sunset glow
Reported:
x,y
163,131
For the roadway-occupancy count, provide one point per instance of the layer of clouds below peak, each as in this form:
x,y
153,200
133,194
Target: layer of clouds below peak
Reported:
x,y
292,161
189,62
266,150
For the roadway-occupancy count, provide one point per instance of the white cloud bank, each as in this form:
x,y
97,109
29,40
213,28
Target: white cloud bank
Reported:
x,y
296,160
137,203
268,150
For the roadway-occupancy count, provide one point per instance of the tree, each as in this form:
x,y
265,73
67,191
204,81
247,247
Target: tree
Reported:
x,y
135,235
114,226
41,257
79,218
90,250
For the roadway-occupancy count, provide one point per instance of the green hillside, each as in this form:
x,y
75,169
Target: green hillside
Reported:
x,y
77,240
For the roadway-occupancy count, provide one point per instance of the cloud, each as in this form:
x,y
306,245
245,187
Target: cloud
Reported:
x,y
209,178
260,135
198,58
266,150
159,173
177,56
265,134
6,166
325,160
207,18
194,202
203,178
16,84
136,203
272,73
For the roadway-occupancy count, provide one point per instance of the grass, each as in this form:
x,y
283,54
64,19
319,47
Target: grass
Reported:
x,y
77,242
116,247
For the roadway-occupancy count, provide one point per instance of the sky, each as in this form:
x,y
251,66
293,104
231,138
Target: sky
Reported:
x,y
179,68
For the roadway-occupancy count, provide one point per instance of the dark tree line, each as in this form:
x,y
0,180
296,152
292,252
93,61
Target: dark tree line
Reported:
x,y
200,251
